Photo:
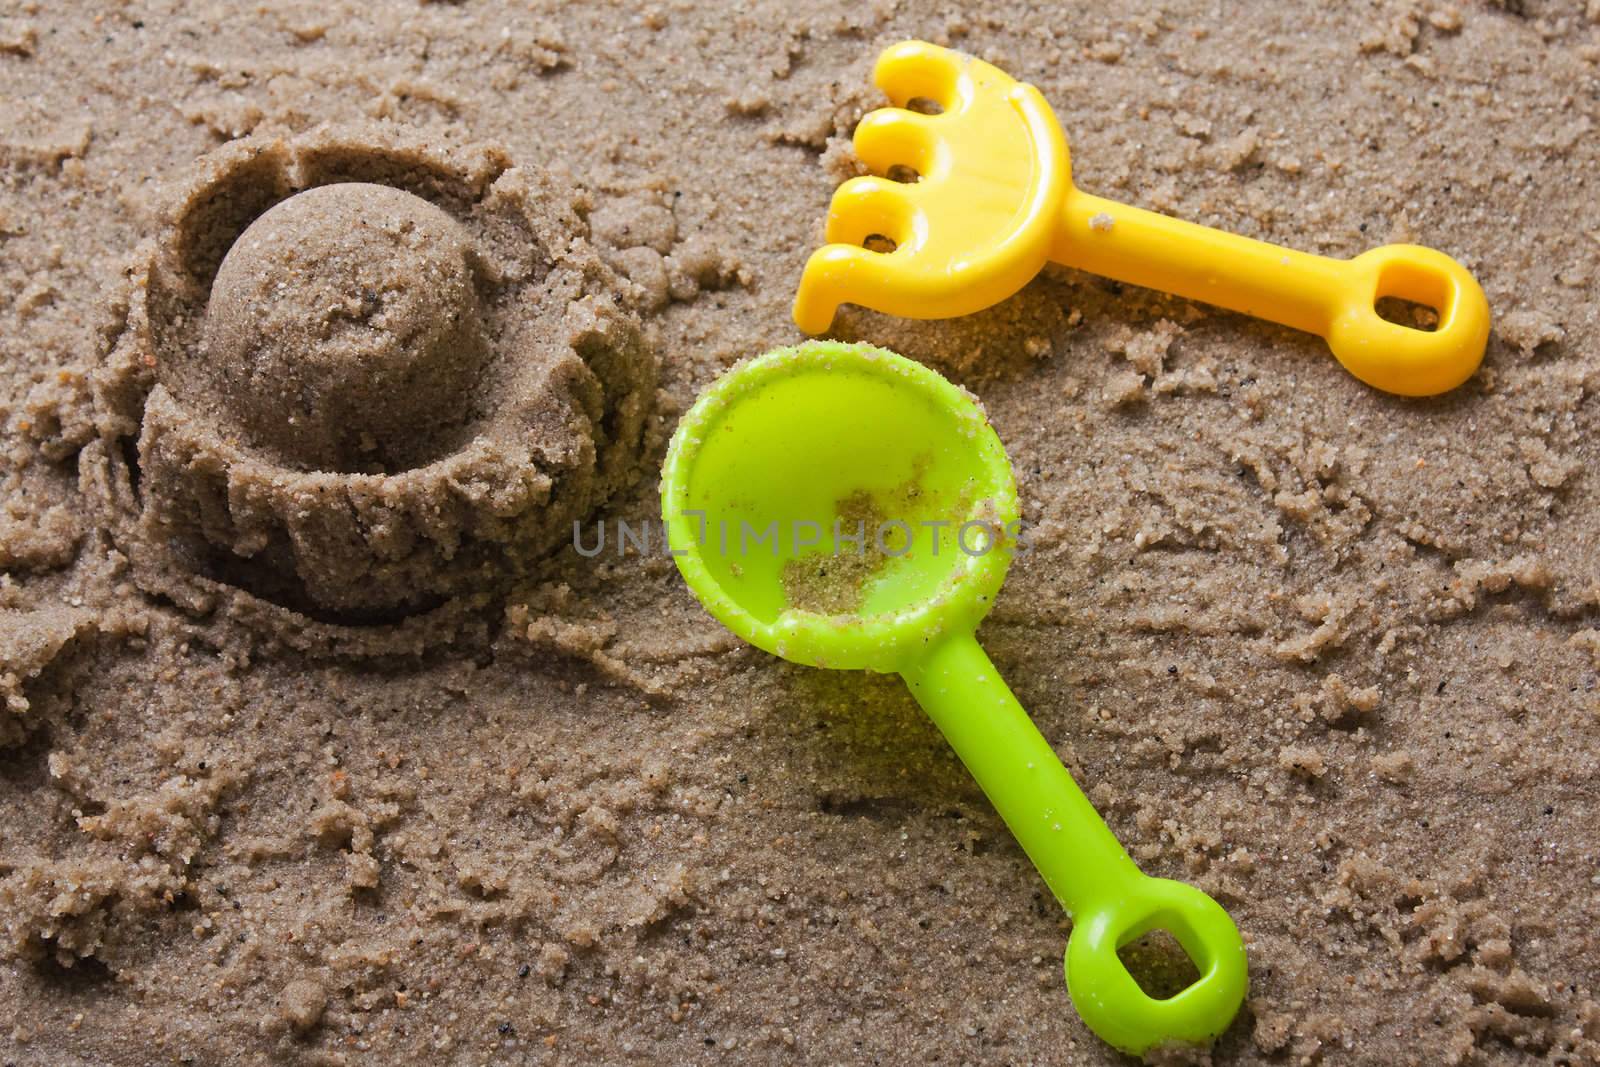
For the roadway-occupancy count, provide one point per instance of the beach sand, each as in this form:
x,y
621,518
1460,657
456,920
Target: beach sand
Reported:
x,y
312,754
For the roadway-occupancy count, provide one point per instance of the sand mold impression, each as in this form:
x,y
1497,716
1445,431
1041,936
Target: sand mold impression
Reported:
x,y
360,383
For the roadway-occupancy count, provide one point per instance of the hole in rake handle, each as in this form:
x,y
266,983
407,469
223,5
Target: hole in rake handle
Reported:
x,y
925,105
1409,313
877,242
903,174
1413,295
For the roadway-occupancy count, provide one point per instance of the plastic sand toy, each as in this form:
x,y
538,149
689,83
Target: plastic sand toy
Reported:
x,y
992,201
841,506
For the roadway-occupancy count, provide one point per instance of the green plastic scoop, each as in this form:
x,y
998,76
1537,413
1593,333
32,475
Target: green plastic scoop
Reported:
x,y
841,506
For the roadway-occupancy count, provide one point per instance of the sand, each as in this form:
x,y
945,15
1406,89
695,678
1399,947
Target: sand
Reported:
x,y
300,765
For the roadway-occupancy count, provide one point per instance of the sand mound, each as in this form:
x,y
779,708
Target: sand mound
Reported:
x,y
365,380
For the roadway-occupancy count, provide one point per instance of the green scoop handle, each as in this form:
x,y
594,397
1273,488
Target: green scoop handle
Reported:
x,y
1111,902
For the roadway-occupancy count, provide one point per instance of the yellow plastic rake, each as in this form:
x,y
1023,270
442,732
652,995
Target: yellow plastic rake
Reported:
x,y
994,201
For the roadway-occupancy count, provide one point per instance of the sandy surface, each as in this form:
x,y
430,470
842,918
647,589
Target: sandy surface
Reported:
x,y
1328,654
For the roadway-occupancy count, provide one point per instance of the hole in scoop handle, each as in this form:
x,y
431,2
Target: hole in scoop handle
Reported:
x,y
1400,359
1109,999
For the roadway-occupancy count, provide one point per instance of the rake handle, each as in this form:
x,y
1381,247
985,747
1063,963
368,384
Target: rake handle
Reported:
x,y
1332,298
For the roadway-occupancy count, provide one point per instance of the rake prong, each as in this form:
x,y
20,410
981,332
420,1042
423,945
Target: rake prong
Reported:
x,y
834,274
862,207
914,69
892,137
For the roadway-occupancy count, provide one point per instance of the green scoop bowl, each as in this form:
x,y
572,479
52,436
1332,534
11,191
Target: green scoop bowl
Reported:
x,y
841,506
